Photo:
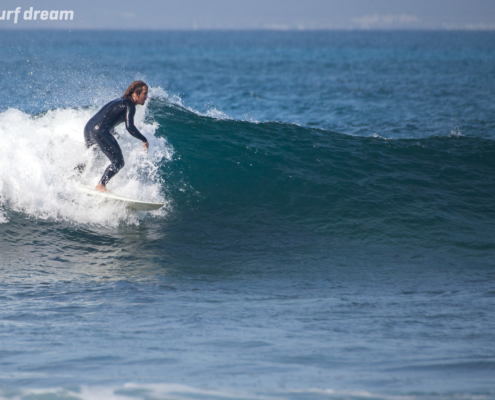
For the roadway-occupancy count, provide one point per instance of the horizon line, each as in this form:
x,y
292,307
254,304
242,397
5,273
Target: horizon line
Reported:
x,y
252,29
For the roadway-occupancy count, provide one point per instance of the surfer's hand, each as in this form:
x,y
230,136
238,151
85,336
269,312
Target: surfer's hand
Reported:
x,y
145,146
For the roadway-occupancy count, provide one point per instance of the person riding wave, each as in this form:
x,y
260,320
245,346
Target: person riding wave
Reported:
x,y
99,129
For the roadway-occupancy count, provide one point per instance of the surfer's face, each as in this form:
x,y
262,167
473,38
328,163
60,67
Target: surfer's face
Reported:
x,y
140,99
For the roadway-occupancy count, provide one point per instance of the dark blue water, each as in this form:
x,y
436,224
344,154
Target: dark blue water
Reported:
x,y
329,229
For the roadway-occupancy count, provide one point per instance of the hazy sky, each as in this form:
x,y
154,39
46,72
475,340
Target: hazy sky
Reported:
x,y
257,14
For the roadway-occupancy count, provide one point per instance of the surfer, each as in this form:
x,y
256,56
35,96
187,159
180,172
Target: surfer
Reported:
x,y
99,129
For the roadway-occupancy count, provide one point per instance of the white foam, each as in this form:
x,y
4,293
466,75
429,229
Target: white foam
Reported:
x,y
169,391
175,99
129,390
3,218
37,160
377,136
216,114
160,93
456,132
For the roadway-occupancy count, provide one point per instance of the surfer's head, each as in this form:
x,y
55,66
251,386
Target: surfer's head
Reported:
x,y
137,92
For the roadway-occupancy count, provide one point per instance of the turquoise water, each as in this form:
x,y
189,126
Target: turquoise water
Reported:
x,y
328,229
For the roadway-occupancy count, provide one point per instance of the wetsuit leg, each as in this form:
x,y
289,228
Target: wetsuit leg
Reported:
x,y
88,140
88,137
110,147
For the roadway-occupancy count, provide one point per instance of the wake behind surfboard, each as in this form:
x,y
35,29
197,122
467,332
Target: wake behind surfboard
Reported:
x,y
133,204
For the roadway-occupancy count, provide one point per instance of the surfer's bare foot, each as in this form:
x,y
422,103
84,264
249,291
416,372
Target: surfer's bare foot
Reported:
x,y
101,188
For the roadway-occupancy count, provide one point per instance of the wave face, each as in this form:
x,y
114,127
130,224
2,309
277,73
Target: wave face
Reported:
x,y
433,192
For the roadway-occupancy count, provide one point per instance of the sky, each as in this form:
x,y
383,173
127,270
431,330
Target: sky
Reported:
x,y
253,14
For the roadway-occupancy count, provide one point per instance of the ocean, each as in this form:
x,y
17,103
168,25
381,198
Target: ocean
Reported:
x,y
328,229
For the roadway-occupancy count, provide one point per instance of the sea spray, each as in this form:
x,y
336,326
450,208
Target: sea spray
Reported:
x,y
40,154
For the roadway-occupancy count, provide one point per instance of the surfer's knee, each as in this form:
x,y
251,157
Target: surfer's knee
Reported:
x,y
119,164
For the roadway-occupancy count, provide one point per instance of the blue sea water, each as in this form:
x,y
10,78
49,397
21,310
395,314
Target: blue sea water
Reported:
x,y
329,227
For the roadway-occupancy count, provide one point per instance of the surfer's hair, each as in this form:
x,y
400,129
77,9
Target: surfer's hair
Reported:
x,y
134,87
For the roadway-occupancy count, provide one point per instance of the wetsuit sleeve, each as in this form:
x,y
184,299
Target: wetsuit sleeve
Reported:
x,y
129,122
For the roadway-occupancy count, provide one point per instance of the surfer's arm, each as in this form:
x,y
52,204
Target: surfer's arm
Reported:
x,y
129,124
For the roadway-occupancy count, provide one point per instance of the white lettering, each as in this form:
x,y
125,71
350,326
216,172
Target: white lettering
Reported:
x,y
32,14
17,11
66,14
28,14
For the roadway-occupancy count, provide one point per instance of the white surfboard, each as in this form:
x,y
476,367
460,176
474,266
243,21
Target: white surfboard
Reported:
x,y
130,203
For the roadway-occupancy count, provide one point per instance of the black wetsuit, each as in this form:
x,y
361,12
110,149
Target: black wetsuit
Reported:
x,y
99,130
